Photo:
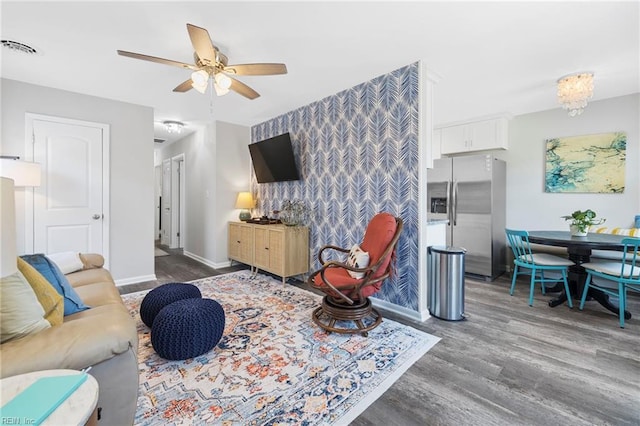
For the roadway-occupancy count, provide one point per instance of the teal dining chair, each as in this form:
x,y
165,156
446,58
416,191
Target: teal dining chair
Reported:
x,y
625,274
537,263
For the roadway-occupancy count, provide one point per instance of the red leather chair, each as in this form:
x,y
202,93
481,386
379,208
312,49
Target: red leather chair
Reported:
x,y
347,298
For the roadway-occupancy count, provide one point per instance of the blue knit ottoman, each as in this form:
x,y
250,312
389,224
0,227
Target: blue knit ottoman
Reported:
x,y
187,328
162,296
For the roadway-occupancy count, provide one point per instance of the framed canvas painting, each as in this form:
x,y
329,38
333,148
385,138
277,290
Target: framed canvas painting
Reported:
x,y
586,164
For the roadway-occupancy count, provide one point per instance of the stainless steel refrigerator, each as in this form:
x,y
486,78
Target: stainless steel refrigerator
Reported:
x,y
470,191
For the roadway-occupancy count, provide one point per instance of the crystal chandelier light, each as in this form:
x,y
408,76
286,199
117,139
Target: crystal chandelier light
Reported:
x,y
574,91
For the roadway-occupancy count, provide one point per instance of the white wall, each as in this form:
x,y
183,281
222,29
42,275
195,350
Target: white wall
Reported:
x,y
131,160
234,174
528,206
217,166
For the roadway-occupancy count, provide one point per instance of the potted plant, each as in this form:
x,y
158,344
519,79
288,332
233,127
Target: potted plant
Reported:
x,y
581,221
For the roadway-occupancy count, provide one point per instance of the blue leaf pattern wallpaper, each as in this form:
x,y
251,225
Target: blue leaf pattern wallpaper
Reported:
x,y
357,154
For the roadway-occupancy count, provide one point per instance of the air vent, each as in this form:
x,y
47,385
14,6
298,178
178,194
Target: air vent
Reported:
x,y
18,47
158,140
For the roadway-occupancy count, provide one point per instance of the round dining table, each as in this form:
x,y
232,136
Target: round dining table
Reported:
x,y
580,250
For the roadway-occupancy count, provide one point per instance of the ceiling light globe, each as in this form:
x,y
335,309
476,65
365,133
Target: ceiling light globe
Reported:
x,y
220,91
199,78
223,81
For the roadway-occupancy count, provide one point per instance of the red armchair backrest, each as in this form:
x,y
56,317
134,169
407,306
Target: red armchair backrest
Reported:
x,y
377,237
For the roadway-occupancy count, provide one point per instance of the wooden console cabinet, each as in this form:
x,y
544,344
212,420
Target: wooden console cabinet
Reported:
x,y
279,249
240,242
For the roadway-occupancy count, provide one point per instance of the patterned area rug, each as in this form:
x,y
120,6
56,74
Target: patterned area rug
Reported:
x,y
273,365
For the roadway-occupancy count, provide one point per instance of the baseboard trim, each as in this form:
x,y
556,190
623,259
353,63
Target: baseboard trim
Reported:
x,y
135,280
214,265
401,310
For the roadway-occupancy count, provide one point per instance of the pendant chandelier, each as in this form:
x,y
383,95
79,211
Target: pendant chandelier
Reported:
x,y
574,92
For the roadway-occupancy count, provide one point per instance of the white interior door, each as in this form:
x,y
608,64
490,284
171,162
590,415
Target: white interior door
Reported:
x,y
68,207
166,203
177,201
158,197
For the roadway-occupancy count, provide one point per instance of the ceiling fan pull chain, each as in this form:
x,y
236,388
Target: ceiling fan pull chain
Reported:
x,y
211,90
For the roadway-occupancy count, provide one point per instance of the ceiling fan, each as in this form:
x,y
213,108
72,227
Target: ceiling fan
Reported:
x,y
212,65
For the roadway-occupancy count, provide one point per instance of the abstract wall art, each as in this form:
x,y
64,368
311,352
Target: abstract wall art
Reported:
x,y
586,164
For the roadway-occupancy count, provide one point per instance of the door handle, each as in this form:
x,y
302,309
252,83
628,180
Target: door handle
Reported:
x,y
449,204
455,203
96,216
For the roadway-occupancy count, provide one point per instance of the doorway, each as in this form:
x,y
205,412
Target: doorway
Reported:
x,y
172,201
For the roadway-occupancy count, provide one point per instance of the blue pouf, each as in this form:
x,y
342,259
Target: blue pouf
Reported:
x,y
187,328
164,295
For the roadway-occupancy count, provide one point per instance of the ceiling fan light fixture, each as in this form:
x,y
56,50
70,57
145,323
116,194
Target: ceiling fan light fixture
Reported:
x,y
220,91
199,88
199,80
173,126
223,81
212,65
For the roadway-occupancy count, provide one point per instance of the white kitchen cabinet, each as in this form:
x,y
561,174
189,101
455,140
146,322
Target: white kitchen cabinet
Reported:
x,y
475,136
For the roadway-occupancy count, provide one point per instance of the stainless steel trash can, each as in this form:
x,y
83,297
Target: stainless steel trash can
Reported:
x,y
446,282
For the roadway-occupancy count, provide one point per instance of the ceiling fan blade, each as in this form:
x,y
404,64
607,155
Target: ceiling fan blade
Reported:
x,y
256,69
184,86
156,59
202,44
243,89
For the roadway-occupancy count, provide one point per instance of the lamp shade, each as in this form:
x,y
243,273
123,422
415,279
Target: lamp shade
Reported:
x,y
244,201
8,253
22,173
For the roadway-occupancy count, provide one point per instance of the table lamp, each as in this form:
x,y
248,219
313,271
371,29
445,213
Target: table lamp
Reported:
x,y
245,202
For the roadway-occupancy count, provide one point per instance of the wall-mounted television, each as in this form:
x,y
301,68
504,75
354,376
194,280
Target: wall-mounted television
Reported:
x,y
273,159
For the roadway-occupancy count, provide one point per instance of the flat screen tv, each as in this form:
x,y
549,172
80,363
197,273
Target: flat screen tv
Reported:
x,y
273,159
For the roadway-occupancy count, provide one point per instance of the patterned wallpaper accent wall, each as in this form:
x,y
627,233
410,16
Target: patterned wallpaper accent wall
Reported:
x,y
357,153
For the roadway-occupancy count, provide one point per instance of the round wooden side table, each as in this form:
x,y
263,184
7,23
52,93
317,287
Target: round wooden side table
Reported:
x,y
78,409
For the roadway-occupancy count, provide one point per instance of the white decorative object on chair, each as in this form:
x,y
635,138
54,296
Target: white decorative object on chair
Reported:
x,y
358,258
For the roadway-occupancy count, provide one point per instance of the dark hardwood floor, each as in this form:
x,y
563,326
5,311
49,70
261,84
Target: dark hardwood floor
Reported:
x,y
507,364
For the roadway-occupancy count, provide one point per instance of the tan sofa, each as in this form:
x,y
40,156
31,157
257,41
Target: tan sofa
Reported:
x,y
103,337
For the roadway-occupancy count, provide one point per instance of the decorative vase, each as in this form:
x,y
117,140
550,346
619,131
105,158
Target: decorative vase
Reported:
x,y
575,231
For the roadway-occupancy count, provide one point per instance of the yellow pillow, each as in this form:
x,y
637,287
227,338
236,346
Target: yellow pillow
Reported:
x,y
51,301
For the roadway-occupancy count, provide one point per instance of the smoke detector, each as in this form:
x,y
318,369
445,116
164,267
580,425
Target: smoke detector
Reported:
x,y
18,47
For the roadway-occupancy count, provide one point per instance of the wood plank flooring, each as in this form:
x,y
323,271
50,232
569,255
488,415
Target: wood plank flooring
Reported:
x,y
507,364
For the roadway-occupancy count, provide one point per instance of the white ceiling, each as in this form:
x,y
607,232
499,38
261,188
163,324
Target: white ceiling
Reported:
x,y
492,57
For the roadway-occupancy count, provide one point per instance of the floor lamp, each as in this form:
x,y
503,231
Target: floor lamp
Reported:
x,y
13,173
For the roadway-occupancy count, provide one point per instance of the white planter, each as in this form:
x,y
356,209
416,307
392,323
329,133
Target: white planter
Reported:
x,y
575,232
